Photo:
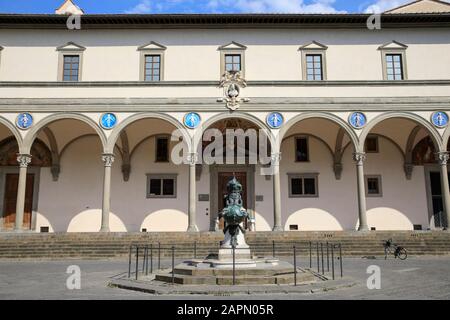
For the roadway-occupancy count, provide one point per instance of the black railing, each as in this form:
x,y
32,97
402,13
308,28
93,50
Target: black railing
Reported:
x,y
184,250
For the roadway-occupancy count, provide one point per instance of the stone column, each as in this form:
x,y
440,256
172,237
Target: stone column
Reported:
x,y
108,160
359,158
443,159
23,160
276,158
192,220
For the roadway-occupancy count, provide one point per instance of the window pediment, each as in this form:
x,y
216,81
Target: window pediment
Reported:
x,y
314,45
232,46
393,45
152,46
70,46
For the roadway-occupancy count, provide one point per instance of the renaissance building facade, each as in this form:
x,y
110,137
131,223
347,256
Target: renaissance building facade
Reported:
x,y
354,110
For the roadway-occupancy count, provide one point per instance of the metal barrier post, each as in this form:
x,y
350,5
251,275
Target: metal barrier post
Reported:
x,y
159,255
137,261
129,262
151,258
332,260
340,258
328,259
195,249
146,260
234,265
173,264
321,252
318,262
295,267
143,259
273,248
310,255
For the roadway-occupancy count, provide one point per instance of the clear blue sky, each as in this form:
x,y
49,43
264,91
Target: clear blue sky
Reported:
x,y
202,6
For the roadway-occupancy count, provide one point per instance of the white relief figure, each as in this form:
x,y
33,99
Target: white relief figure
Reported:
x,y
109,120
233,91
359,120
440,119
276,120
24,120
192,120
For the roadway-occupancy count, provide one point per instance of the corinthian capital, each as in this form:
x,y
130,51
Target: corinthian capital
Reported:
x,y
275,158
108,159
23,160
359,158
442,157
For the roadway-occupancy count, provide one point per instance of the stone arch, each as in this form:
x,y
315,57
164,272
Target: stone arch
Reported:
x,y
112,140
405,115
41,154
32,134
15,132
226,115
446,138
323,115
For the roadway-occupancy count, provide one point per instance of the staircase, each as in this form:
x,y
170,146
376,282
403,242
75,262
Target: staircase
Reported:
x,y
112,245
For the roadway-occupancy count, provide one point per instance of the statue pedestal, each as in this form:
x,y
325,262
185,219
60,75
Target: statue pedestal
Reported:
x,y
242,250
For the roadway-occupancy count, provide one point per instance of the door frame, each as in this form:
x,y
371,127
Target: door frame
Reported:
x,y
214,184
427,169
4,170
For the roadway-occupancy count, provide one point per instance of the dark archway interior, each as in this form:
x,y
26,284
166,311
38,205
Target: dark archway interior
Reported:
x,y
41,155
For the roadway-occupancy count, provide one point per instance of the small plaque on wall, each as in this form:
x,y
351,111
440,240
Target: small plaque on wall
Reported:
x,y
259,198
203,197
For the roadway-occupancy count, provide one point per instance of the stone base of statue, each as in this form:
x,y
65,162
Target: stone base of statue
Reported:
x,y
241,251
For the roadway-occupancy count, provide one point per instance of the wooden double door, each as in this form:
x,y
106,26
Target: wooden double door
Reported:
x,y
224,178
10,199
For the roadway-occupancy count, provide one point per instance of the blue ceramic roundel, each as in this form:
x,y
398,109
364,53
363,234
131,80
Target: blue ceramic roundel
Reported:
x,y
24,121
108,120
274,120
357,120
439,119
192,120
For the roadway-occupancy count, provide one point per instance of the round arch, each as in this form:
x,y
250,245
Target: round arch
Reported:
x,y
446,137
13,130
238,115
32,134
321,115
112,140
401,115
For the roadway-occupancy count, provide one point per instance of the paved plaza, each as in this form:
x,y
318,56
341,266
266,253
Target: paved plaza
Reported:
x,y
415,278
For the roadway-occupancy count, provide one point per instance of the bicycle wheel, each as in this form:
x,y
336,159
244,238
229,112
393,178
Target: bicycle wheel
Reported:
x,y
402,255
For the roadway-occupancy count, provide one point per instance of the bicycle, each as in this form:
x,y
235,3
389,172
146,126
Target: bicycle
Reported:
x,y
396,250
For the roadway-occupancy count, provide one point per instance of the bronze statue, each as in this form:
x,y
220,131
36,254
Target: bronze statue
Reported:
x,y
234,214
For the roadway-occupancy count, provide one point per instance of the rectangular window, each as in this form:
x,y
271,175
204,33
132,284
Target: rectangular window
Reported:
x,y
303,185
314,67
161,185
232,62
152,67
162,149
301,149
71,67
373,186
372,145
394,67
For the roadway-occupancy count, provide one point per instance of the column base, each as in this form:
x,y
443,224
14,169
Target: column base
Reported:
x,y
192,229
363,228
277,228
104,229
